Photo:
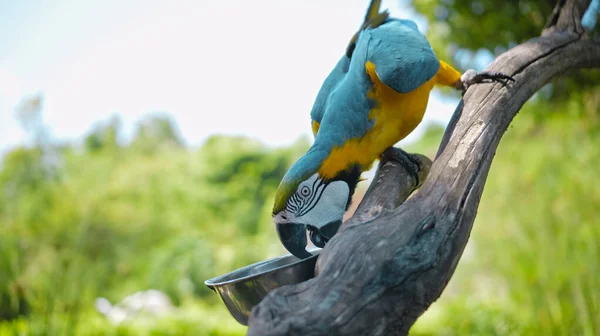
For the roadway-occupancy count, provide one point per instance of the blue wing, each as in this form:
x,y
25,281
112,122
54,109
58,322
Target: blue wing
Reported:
x,y
329,85
404,61
403,58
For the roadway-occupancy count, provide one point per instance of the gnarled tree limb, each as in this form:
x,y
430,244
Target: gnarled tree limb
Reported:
x,y
387,265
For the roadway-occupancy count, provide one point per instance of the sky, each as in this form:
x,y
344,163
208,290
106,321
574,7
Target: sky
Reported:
x,y
217,67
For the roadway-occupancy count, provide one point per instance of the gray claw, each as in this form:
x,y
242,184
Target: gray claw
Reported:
x,y
471,77
409,161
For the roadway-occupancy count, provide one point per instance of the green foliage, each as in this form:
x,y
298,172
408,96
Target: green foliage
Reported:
x,y
190,320
103,136
483,23
120,219
155,132
531,265
469,33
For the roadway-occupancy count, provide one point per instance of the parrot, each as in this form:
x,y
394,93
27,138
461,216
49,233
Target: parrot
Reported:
x,y
374,97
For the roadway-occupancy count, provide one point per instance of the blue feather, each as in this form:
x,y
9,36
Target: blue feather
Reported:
x,y
404,61
403,58
331,82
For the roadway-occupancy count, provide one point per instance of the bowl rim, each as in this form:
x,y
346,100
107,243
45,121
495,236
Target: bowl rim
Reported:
x,y
213,282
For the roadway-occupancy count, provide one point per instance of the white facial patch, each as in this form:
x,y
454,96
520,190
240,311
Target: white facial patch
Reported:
x,y
318,203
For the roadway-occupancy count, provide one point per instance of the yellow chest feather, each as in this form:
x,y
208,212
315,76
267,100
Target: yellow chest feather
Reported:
x,y
395,114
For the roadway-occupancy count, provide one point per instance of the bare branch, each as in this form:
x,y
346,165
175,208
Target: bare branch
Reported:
x,y
386,267
391,187
567,17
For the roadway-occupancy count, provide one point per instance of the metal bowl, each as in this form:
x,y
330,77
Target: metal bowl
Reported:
x,y
245,287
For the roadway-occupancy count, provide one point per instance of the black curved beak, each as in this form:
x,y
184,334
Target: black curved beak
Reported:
x,y
293,238
321,236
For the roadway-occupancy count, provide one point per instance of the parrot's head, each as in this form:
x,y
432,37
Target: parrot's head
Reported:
x,y
305,201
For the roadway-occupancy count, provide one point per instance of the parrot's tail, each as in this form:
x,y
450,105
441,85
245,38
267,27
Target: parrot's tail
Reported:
x,y
373,19
372,10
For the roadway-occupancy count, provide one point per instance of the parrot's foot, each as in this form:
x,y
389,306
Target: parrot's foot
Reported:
x,y
471,77
409,161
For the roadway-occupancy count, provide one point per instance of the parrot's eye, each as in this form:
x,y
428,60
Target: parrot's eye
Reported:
x,y
305,191
306,196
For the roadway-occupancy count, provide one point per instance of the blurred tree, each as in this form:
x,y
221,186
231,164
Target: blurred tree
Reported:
x,y
485,24
22,172
244,173
472,33
104,135
528,267
156,131
29,114
131,221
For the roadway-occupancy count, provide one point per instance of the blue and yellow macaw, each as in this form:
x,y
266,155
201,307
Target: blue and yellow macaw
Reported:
x,y
374,97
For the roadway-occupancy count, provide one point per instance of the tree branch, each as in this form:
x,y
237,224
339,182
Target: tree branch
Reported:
x,y
388,264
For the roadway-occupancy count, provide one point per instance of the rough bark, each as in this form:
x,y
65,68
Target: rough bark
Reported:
x,y
388,263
